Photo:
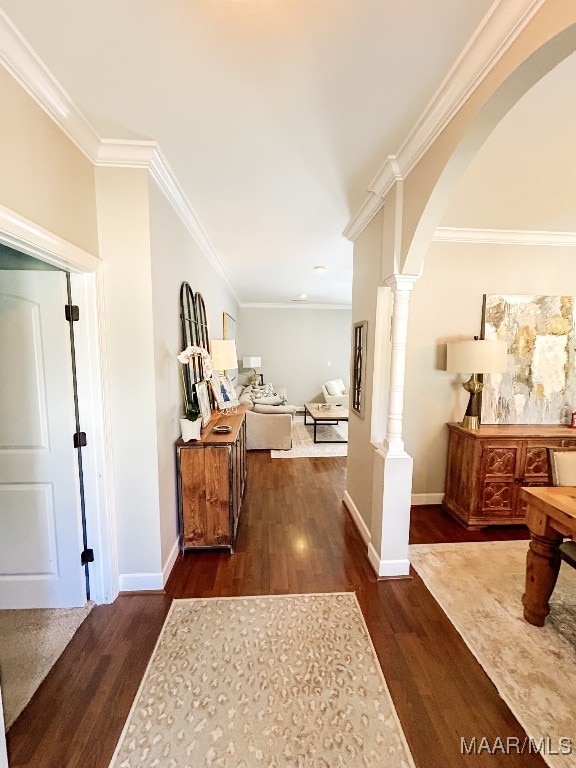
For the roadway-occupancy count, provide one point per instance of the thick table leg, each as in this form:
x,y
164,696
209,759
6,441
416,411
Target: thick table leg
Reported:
x,y
542,567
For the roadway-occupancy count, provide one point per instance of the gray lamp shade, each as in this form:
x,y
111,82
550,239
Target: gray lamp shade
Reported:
x,y
252,362
477,356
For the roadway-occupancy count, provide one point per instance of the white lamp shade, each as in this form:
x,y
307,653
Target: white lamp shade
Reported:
x,y
223,354
477,356
252,362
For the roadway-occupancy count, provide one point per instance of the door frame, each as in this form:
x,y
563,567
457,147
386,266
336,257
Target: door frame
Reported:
x,y
86,274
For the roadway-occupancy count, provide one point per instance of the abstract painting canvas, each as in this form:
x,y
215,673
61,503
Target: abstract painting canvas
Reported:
x,y
539,386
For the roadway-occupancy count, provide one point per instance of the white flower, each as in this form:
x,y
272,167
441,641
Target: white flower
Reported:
x,y
185,357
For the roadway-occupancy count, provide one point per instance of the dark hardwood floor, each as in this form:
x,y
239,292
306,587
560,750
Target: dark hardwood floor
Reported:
x,y
294,536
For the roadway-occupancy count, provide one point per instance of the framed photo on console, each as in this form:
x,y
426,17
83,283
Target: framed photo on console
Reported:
x,y
203,402
223,392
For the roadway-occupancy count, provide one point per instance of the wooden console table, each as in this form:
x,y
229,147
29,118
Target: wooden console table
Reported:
x,y
488,466
211,481
550,516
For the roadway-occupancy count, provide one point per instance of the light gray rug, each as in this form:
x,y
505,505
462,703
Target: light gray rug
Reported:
x,y
288,681
303,445
31,641
480,586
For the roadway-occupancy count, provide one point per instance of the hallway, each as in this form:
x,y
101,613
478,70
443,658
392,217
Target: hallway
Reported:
x,y
294,536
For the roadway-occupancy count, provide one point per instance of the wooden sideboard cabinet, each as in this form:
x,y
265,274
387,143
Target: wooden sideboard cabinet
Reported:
x,y
211,481
487,467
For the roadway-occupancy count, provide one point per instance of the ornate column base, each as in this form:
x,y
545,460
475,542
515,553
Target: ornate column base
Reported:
x,y
391,498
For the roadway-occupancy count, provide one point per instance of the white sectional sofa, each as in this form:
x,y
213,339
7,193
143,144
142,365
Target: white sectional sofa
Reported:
x,y
268,418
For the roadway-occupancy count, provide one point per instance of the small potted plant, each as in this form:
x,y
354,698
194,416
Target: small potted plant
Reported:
x,y
191,423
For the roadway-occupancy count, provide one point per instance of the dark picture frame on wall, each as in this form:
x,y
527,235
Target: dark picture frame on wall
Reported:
x,y
358,372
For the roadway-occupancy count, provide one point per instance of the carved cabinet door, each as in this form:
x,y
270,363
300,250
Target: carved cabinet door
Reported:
x,y
500,464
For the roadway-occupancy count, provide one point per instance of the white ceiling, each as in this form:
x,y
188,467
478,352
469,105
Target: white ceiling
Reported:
x,y
274,114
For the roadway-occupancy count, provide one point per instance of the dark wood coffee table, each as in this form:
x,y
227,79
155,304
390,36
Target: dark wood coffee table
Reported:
x,y
322,413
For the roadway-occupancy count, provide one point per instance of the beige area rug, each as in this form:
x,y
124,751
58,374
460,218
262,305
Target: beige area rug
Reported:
x,y
31,641
480,586
289,681
303,445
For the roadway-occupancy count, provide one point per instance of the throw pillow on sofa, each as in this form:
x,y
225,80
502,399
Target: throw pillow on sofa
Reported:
x,y
335,387
261,395
262,390
245,398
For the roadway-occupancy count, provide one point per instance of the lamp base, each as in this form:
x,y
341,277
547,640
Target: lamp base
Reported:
x,y
470,422
471,418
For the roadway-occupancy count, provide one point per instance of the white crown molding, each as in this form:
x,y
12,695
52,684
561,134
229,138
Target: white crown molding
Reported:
x,y
292,305
505,237
168,183
125,153
22,62
501,26
388,175
364,216
26,67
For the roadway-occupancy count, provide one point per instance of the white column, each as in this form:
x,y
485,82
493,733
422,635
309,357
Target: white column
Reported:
x,y
392,476
401,287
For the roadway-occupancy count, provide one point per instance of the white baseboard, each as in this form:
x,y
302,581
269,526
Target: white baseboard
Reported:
x,y
388,568
382,568
169,564
141,582
357,518
149,582
420,499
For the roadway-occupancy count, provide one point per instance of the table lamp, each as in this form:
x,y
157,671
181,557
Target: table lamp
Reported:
x,y
475,357
252,363
223,354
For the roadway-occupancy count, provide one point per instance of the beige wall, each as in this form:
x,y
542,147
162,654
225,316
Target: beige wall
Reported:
x,y
367,277
442,299
123,221
447,304
120,215
547,40
296,346
175,258
44,178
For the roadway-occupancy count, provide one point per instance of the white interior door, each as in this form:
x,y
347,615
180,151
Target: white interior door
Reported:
x,y
40,524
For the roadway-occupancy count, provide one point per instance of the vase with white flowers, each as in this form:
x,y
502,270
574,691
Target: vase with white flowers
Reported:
x,y
197,359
